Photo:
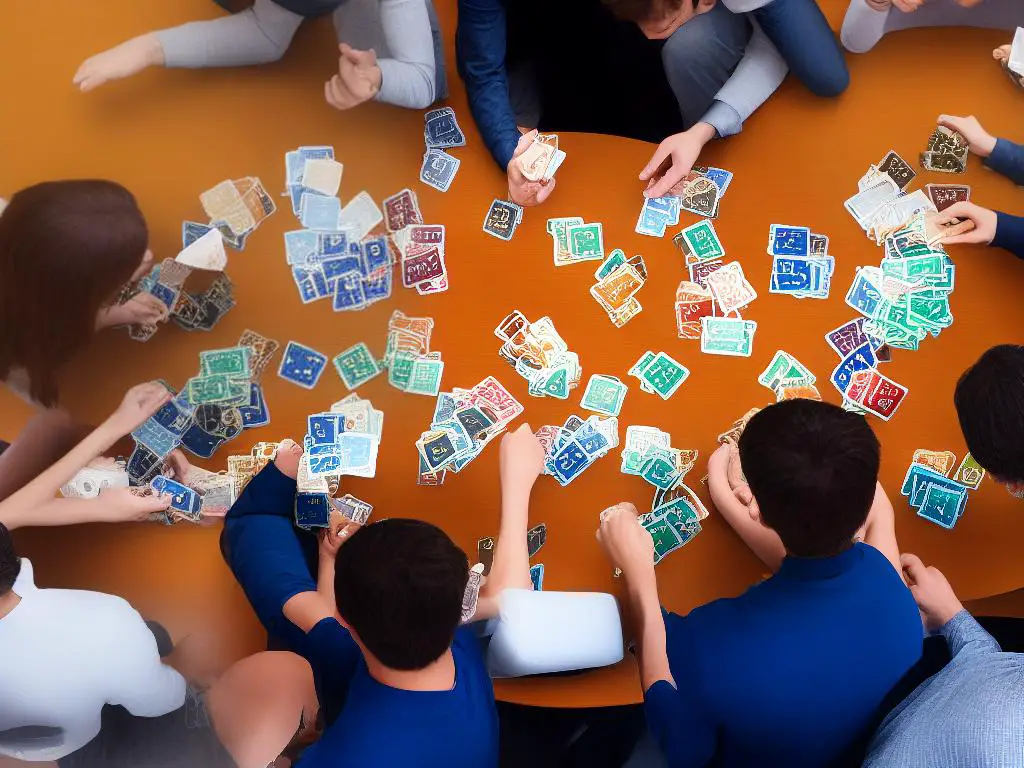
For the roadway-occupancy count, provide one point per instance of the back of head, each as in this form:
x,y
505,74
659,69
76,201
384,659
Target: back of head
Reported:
x,y
10,564
641,11
65,249
989,401
812,469
399,586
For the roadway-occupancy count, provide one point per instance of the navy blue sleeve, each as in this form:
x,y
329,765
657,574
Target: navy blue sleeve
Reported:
x,y
334,658
263,550
480,52
1009,233
675,717
1007,158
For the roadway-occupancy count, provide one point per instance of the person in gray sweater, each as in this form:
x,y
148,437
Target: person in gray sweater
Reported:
x,y
971,713
390,50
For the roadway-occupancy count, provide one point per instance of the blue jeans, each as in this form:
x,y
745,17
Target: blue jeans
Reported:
x,y
800,32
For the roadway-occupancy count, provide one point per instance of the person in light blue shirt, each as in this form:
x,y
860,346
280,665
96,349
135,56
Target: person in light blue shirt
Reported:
x,y
399,682
792,672
969,714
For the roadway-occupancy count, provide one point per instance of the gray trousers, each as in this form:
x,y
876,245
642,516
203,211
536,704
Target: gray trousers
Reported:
x,y
262,34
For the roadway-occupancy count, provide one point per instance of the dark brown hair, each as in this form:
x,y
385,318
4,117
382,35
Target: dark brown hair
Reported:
x,y
639,11
65,249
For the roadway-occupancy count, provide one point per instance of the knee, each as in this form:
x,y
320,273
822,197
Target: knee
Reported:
x,y
830,82
713,39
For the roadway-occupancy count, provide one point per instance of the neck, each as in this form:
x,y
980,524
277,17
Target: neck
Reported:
x,y
439,675
8,603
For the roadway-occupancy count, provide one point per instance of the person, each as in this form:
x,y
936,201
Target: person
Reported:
x,y
102,696
792,671
399,682
37,503
969,713
391,50
515,78
66,249
989,400
1001,230
867,21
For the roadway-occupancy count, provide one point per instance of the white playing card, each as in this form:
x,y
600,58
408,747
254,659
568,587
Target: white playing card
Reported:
x,y
205,253
322,175
362,214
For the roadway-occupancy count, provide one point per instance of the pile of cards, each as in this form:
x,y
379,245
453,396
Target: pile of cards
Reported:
x,y
412,367
503,217
881,206
191,231
702,190
788,378
732,434
576,445
659,374
331,449
618,281
440,132
604,395
314,510
648,453
243,468
240,205
422,264
542,158
574,240
311,171
539,355
801,266
353,274
946,151
933,493
863,388
657,214
464,422
674,522
693,303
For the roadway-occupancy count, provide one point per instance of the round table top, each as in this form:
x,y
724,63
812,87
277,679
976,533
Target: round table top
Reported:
x,y
168,136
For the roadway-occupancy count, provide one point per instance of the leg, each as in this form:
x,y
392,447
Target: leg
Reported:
x,y
44,440
801,33
258,35
700,56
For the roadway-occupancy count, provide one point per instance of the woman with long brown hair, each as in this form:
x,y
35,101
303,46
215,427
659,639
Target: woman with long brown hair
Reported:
x,y
66,248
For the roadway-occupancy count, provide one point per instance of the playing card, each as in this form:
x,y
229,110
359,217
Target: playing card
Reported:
x,y
301,365
439,169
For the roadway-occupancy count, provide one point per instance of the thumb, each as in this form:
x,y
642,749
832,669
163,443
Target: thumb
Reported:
x,y
545,191
950,121
155,502
913,567
524,142
362,58
663,151
961,210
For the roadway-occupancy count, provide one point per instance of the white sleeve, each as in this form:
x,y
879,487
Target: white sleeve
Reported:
x,y
863,27
409,74
142,683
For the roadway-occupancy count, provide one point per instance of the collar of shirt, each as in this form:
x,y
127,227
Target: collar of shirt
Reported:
x,y
818,568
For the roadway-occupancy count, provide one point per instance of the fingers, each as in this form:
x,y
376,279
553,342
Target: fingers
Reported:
x,y
545,191
913,567
663,151
362,58
155,502
525,428
961,210
524,142
743,494
337,94
665,184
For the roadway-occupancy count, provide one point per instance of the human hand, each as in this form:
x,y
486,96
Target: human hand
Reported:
x,y
931,590
985,222
140,309
625,542
674,159
979,141
177,466
139,403
879,5
522,459
125,505
907,6
337,533
521,190
359,78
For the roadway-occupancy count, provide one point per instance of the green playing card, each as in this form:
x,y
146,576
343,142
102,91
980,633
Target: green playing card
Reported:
x,y
604,394
615,259
702,241
727,336
400,370
208,389
664,375
557,384
425,377
666,539
356,365
659,470
969,473
586,241
233,361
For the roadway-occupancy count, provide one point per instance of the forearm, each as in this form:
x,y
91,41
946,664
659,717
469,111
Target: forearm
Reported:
x,y
1007,158
325,582
757,76
1009,233
648,628
863,27
408,78
510,565
880,530
53,513
965,636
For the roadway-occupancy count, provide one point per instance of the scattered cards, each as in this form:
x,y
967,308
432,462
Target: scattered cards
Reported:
x,y
539,354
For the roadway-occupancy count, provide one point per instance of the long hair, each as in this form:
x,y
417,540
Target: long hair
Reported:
x,y
66,247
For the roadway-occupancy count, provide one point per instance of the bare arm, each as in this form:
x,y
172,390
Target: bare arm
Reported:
x,y
880,529
649,628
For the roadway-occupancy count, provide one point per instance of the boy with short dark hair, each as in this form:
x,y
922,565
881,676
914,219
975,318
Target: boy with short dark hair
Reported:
x,y
400,683
989,401
792,671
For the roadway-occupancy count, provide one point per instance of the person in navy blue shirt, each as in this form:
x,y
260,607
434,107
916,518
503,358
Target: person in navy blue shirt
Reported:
x,y
399,682
995,228
793,671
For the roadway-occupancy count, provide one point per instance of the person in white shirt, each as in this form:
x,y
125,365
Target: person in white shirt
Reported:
x,y
867,21
82,683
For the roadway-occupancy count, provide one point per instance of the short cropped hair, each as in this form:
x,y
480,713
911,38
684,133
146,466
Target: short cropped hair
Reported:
x,y
812,468
10,564
989,401
639,11
399,585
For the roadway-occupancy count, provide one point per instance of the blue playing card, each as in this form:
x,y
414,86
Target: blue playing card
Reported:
x,y
332,244
439,169
192,231
312,510
305,282
569,461
301,365
256,413
183,498
199,442
377,288
593,442
319,212
143,464
941,504
442,129
861,359
537,577
167,295
337,266
348,292
156,437
786,240
323,428
324,464
375,255
721,178
864,295
357,450
790,275
175,415
300,246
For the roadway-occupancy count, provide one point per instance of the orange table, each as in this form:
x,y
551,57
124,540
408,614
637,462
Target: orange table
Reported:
x,y
170,135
